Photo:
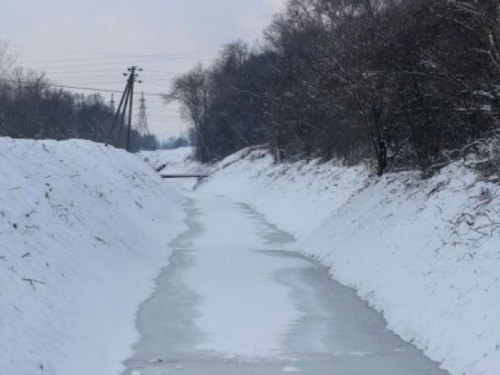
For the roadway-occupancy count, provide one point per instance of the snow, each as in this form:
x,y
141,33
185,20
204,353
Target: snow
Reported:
x,y
84,232
297,204
86,229
290,369
424,252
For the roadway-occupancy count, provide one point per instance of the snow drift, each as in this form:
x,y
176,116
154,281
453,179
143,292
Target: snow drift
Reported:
x,y
426,253
84,231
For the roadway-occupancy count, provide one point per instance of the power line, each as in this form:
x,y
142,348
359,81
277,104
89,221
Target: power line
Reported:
x,y
128,60
158,55
103,90
107,77
103,73
96,52
79,87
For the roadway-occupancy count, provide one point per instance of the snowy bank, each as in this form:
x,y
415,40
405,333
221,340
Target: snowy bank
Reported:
x,y
424,252
84,232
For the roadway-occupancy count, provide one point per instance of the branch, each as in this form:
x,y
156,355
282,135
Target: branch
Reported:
x,y
33,281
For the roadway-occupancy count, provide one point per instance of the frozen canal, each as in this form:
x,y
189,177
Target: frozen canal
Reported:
x,y
236,300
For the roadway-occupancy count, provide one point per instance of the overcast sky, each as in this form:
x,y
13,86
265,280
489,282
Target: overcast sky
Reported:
x,y
90,43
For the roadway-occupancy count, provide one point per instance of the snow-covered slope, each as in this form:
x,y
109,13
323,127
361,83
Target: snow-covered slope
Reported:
x,y
424,252
83,233
427,254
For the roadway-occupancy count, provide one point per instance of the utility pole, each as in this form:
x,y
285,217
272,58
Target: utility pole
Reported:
x,y
126,103
133,76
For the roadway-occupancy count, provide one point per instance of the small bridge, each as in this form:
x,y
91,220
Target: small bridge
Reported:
x,y
179,175
190,175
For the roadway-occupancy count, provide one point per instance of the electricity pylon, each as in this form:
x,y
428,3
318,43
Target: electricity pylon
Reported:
x,y
142,123
112,103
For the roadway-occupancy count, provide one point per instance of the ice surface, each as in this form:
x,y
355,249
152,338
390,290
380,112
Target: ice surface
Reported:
x,y
236,299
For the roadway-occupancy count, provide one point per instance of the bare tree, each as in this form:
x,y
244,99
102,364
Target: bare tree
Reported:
x,y
192,91
396,82
7,59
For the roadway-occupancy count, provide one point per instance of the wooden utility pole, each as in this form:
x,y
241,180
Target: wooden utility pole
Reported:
x,y
117,116
132,80
126,103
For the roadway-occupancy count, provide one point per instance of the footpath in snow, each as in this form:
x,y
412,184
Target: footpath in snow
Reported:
x,y
424,252
84,231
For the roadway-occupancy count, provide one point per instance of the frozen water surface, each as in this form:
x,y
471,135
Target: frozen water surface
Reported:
x,y
237,300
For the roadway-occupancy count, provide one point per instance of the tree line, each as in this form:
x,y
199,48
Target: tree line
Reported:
x,y
32,107
394,82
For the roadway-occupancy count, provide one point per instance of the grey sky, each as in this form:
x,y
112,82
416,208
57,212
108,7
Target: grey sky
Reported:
x,y
90,43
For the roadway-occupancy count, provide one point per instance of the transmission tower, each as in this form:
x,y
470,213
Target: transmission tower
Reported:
x,y
142,125
112,103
